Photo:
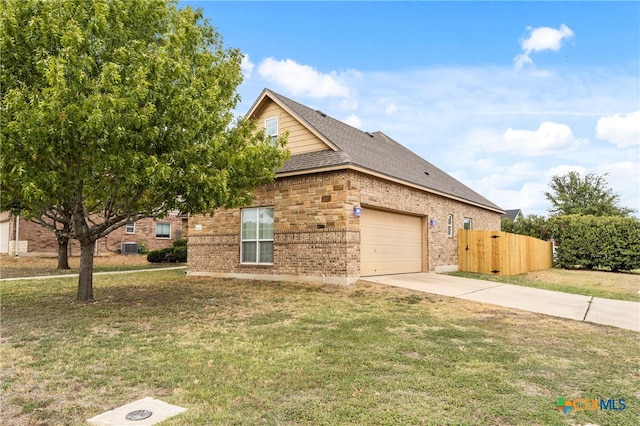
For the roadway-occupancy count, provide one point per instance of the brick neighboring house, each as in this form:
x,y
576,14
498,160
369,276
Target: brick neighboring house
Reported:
x,y
346,204
37,240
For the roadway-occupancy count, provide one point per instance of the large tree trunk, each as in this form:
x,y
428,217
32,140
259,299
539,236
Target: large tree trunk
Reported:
x,y
85,280
63,253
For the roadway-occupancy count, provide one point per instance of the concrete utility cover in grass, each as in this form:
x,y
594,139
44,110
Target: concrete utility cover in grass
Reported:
x,y
138,410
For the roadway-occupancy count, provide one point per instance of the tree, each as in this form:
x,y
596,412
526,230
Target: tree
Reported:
x,y
589,195
59,225
531,225
122,109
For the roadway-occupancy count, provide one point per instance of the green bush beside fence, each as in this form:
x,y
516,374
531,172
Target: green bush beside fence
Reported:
x,y
596,242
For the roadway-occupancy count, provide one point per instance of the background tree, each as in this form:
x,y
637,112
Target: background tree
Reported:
x,y
57,220
531,225
116,110
589,195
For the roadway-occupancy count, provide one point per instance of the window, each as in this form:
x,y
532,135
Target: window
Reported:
x,y
257,235
130,228
468,223
271,128
450,225
163,230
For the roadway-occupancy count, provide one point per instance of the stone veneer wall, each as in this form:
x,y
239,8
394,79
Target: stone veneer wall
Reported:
x,y
316,235
312,236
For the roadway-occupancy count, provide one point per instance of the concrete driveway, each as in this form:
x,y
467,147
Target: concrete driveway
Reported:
x,y
616,313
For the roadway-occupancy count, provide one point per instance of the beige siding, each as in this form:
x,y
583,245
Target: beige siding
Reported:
x,y
391,243
301,140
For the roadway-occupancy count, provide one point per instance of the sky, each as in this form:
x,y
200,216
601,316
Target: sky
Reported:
x,y
500,95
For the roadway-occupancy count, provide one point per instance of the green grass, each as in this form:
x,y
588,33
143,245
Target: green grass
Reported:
x,y
608,285
251,352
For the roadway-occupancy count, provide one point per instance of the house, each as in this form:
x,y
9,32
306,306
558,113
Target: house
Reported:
x,y
34,239
347,204
514,215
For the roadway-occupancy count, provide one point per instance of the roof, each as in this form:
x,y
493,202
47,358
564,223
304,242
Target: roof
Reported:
x,y
374,152
512,214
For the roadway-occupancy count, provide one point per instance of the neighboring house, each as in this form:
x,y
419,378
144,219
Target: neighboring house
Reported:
x,y
514,215
38,240
346,204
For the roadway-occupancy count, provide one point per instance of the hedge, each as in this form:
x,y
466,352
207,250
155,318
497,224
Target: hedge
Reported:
x,y
174,254
597,242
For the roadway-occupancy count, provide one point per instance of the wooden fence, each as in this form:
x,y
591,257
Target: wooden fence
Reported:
x,y
502,253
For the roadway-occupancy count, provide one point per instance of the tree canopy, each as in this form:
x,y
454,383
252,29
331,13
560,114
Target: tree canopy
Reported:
x,y
115,110
572,193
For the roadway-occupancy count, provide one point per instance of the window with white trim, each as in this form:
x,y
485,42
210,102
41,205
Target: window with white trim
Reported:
x,y
163,230
450,225
257,235
271,128
468,223
130,228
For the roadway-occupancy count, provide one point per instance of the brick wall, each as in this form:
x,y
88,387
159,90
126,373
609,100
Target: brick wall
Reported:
x,y
442,250
316,234
311,236
37,239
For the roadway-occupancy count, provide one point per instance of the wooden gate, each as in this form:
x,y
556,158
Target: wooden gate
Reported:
x,y
502,253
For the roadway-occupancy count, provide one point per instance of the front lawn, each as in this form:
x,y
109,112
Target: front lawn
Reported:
x,y
31,266
250,352
608,285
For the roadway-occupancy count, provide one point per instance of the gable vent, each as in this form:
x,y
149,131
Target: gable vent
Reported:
x,y
321,113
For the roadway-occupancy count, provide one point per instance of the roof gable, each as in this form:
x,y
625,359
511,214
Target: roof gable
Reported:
x,y
302,138
375,153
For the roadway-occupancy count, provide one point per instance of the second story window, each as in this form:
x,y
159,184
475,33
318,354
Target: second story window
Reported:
x,y
271,128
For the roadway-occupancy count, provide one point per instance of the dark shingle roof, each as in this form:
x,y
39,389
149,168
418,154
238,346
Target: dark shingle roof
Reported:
x,y
511,214
375,152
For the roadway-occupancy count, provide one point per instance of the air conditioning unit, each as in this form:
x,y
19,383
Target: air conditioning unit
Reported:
x,y
129,248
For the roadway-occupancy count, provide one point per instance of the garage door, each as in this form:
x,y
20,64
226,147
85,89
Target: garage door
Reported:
x,y
390,243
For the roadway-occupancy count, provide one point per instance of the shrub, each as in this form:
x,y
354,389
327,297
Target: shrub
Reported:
x,y
589,242
180,243
168,255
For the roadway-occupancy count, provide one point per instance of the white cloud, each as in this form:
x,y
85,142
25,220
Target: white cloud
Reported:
x,y
623,178
247,66
542,38
622,131
548,139
391,108
302,80
353,120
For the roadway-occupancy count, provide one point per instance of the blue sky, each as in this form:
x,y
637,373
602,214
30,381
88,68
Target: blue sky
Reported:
x,y
501,95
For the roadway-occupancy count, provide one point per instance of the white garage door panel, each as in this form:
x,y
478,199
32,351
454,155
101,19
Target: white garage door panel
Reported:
x,y
390,243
